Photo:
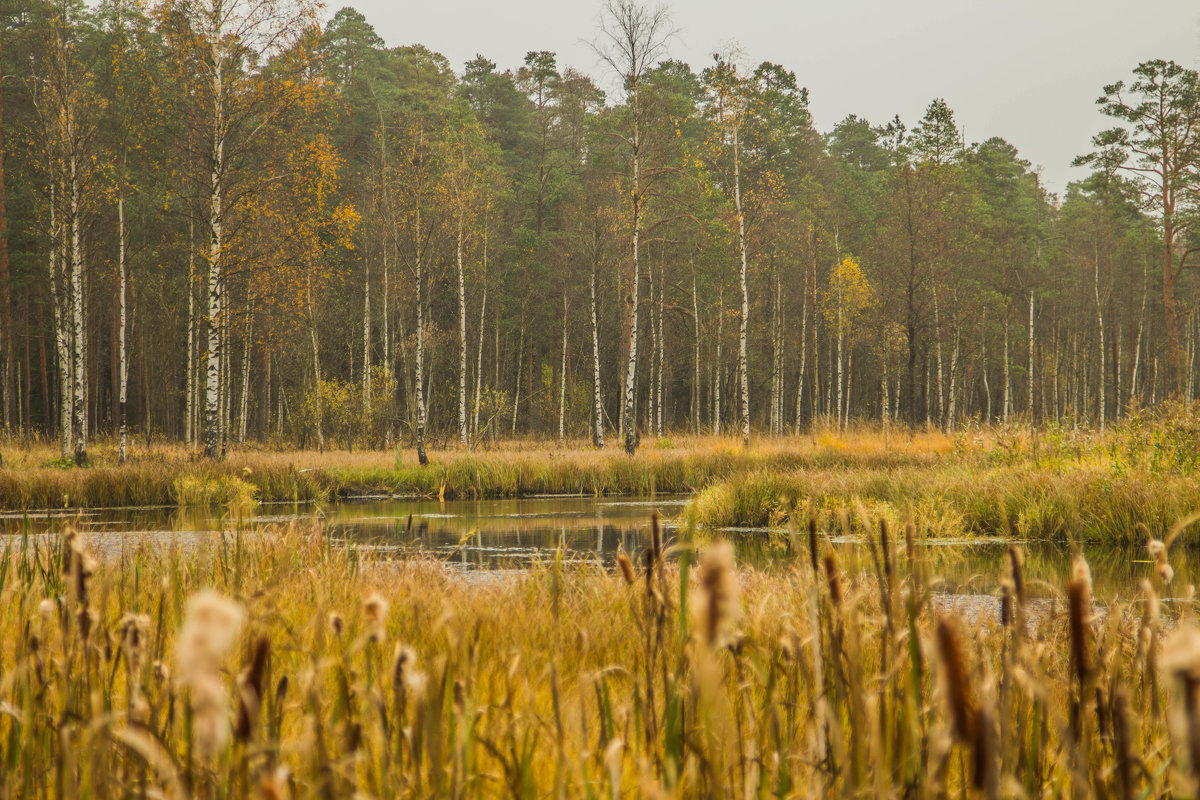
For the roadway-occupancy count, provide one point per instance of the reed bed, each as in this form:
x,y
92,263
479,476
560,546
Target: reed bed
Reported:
x,y
174,476
276,664
959,499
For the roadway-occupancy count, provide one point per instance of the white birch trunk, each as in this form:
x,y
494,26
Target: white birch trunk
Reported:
x,y
422,458
190,423
79,410
517,383
803,356
367,338
597,400
696,356
628,423
123,367
212,387
742,247
1100,332
462,329
562,385
61,333
717,378
1029,399
1007,375
247,353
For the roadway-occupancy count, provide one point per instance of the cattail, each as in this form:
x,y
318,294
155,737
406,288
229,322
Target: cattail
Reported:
x,y
211,625
983,751
276,786
68,549
375,609
910,544
81,568
210,728
831,575
1080,571
648,563
1006,614
1181,659
626,567
812,543
46,610
336,623
960,697
250,690
1078,608
1016,561
656,538
408,525
887,550
1158,553
1121,745
408,683
460,695
721,593
134,630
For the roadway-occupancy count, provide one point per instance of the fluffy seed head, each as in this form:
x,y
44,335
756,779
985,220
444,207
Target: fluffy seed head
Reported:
x,y
375,610
720,591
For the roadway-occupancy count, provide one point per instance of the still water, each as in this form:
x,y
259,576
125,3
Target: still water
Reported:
x,y
515,534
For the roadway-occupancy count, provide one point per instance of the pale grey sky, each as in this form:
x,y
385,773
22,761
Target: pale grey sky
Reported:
x,y
1026,70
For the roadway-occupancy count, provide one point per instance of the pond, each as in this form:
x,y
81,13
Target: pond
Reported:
x,y
516,533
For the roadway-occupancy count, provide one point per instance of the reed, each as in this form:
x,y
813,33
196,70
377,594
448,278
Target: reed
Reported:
x,y
290,666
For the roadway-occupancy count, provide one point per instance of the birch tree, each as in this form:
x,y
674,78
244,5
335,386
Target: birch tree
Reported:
x,y
632,39
232,39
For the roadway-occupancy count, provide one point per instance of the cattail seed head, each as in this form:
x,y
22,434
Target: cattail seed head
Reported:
x,y
1016,567
626,567
656,538
835,582
812,543
885,546
1078,612
250,690
956,678
336,623
276,786
134,630
910,544
720,601
375,610
211,625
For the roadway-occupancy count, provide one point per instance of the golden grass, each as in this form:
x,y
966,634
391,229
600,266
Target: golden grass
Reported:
x,y
32,480
276,665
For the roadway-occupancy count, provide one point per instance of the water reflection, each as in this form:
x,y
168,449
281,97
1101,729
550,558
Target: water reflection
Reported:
x,y
506,534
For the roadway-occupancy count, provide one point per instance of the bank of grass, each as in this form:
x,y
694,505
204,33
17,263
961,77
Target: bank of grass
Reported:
x,y
277,665
1092,502
33,479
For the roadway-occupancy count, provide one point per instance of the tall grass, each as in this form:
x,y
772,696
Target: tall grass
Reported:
x,y
959,499
173,477
276,665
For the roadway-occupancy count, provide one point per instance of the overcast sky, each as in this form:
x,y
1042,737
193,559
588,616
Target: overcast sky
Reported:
x,y
1026,70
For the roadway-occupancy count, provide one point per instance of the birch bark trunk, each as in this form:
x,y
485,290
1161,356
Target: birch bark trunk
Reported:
x,y
597,402
212,388
123,369
742,360
562,386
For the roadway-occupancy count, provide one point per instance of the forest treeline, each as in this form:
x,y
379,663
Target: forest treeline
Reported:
x,y
222,221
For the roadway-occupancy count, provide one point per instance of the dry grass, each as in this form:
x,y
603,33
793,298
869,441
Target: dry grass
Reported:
x,y
278,666
33,479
